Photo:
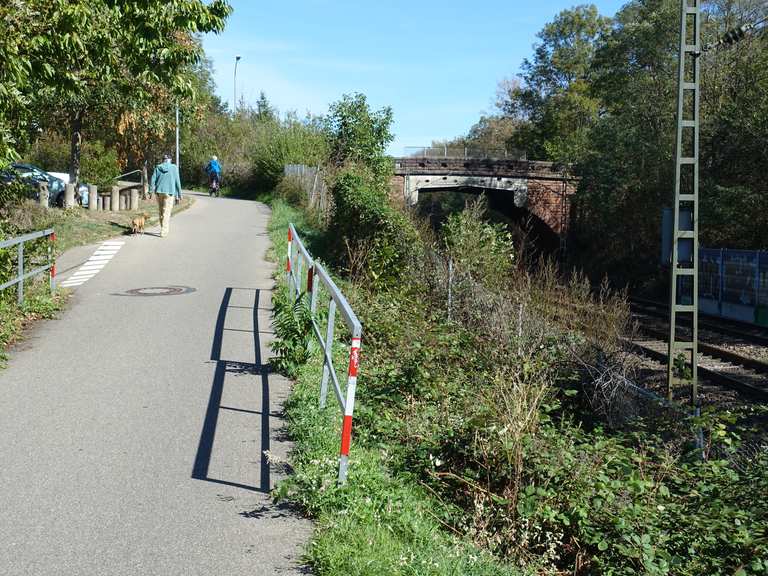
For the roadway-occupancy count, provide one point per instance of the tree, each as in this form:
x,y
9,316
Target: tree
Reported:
x,y
109,56
553,104
359,135
264,110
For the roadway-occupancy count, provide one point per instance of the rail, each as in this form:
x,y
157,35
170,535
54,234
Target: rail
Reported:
x,y
305,278
21,275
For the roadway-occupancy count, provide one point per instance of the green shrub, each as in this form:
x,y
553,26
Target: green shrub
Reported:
x,y
293,327
478,247
51,152
371,236
291,190
98,165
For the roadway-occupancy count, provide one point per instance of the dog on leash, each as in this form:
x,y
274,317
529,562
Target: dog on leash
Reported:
x,y
137,224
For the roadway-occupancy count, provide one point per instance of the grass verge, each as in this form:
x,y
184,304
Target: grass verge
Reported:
x,y
382,521
79,226
39,303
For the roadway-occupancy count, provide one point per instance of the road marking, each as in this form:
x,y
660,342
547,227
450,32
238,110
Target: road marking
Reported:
x,y
100,257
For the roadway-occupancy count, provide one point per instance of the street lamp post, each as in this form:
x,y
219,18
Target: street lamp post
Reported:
x,y
234,91
177,137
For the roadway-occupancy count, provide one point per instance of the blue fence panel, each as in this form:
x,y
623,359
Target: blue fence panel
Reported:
x,y
709,273
761,313
740,277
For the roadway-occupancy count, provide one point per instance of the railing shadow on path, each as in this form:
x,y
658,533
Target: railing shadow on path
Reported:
x,y
224,367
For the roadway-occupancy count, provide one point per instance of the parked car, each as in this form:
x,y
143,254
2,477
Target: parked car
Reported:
x,y
25,177
81,194
33,175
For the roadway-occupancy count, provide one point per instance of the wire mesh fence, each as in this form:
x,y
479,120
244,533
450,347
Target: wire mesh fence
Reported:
x,y
734,284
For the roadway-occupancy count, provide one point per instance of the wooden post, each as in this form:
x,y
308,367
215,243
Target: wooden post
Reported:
x,y
115,202
43,194
93,198
69,196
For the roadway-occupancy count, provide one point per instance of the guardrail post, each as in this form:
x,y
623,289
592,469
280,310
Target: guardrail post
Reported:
x,y
298,273
288,264
328,352
311,289
21,273
93,197
43,194
69,195
349,406
52,260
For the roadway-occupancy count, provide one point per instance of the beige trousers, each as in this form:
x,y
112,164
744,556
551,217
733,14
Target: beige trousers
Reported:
x,y
165,207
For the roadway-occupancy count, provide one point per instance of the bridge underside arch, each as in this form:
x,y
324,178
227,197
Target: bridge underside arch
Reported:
x,y
508,206
543,199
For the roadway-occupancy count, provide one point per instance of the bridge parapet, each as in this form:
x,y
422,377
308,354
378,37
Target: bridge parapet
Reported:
x,y
503,167
544,188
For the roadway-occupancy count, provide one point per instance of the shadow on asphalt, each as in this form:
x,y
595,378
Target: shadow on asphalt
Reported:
x,y
229,367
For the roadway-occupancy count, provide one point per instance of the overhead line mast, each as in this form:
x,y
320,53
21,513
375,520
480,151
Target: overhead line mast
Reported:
x,y
682,359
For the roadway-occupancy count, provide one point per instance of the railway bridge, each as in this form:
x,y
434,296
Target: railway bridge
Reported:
x,y
543,188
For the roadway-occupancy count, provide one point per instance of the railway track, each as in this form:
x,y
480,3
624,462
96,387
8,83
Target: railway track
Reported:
x,y
719,366
732,328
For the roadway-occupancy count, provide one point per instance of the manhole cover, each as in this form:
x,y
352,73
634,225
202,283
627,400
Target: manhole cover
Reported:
x,y
159,291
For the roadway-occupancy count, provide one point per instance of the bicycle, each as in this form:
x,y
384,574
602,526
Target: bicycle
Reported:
x,y
213,187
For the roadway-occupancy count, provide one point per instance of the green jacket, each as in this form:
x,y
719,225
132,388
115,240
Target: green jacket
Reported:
x,y
165,180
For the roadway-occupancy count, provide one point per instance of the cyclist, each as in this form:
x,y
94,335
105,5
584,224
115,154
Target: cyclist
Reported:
x,y
213,169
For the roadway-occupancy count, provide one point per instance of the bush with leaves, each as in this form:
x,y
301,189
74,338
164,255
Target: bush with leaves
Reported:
x,y
99,165
373,238
293,327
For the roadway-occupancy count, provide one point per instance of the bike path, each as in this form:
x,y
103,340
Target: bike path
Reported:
x,y
134,426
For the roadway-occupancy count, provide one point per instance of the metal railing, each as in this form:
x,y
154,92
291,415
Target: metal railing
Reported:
x,y
21,274
307,278
468,152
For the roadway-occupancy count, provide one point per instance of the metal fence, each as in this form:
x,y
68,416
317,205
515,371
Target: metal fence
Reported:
x,y
734,284
468,152
21,273
311,180
308,279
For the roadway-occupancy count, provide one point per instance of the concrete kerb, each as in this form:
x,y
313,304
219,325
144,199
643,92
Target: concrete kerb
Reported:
x,y
318,281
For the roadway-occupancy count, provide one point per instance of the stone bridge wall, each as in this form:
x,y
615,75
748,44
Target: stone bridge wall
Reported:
x,y
547,187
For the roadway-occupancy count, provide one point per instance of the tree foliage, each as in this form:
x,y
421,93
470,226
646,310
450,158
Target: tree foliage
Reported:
x,y
358,134
601,93
106,58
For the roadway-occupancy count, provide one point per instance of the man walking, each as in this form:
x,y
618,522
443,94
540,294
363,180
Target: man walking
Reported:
x,y
166,184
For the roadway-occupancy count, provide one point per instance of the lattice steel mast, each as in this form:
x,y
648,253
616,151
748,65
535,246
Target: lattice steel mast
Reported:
x,y
682,362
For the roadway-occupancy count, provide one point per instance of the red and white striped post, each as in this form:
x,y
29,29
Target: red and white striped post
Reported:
x,y
288,262
52,260
349,407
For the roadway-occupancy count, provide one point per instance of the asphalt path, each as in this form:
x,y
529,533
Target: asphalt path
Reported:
x,y
134,427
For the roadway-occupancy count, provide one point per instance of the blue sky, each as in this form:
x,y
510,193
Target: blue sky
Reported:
x,y
436,63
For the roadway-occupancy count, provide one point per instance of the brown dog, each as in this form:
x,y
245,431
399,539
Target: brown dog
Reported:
x,y
137,224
